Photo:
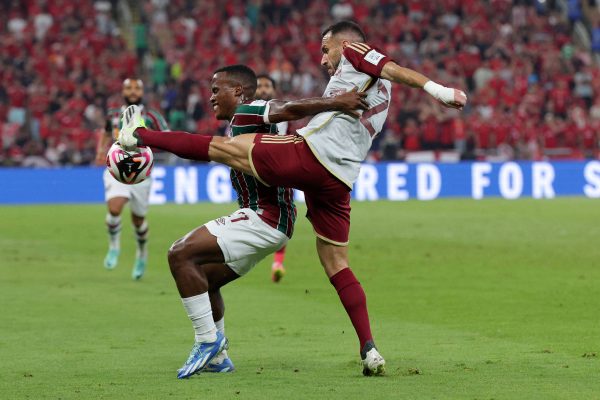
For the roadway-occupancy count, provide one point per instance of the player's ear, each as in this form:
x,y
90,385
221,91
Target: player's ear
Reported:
x,y
238,90
345,43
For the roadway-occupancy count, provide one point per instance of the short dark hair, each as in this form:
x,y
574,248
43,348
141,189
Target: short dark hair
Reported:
x,y
345,26
241,73
265,76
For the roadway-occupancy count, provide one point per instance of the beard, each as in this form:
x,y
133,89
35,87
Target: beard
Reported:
x,y
132,103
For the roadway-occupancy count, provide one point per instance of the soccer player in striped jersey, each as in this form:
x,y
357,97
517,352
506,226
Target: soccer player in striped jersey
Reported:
x,y
228,247
322,159
265,90
117,194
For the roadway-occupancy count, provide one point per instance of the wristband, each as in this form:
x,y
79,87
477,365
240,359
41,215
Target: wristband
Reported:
x,y
440,92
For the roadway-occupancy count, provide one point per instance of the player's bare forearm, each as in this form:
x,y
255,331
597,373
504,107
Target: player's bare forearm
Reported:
x,y
397,74
449,97
292,110
102,148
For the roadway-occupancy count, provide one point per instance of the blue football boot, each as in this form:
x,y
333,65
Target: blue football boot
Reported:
x,y
202,353
221,363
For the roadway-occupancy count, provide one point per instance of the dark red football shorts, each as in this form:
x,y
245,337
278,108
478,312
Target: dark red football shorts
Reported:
x,y
288,161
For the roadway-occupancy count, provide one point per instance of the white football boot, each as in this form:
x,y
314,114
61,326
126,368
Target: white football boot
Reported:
x,y
131,120
373,362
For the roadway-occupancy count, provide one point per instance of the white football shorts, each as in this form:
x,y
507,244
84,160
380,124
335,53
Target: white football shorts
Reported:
x,y
245,239
138,194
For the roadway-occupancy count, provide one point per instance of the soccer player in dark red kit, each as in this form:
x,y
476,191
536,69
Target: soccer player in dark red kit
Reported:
x,y
323,159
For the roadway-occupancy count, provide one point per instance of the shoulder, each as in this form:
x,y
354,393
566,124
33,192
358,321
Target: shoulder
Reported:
x,y
155,119
257,107
252,115
154,113
365,58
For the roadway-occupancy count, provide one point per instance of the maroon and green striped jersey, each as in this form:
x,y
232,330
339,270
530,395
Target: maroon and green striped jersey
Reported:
x,y
154,120
274,205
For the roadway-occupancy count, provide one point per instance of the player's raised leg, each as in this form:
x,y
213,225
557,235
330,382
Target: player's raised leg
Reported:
x,y
232,152
113,224
196,263
334,259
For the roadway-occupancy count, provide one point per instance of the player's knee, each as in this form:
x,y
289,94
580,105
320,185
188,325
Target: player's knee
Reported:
x,y
137,220
177,256
334,266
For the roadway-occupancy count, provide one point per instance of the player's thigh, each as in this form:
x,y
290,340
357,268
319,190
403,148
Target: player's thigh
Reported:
x,y
329,213
232,151
333,258
198,246
116,194
245,239
140,198
285,160
115,205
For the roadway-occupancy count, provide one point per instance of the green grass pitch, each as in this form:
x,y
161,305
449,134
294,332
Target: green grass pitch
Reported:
x,y
468,300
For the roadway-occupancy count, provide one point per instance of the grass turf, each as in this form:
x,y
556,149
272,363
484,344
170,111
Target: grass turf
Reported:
x,y
470,300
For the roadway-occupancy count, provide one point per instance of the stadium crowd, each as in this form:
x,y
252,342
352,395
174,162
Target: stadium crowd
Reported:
x,y
534,91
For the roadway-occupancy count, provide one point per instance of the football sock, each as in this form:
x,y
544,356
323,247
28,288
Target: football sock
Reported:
x,y
220,324
114,231
199,311
354,300
141,235
182,144
279,255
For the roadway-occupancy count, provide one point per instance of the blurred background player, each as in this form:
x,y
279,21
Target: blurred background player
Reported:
x,y
265,90
118,194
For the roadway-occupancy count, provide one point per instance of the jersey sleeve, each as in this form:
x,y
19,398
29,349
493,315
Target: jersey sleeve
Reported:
x,y
252,114
252,118
156,121
365,58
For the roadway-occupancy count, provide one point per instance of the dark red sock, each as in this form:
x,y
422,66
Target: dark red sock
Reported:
x,y
354,300
182,144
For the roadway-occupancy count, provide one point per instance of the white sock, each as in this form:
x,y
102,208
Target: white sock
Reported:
x,y
220,324
114,231
141,236
199,311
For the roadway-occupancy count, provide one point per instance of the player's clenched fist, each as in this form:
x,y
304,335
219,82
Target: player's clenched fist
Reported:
x,y
449,97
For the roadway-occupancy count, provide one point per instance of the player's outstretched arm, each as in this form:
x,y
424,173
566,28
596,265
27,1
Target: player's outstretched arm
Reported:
x,y
347,103
104,142
449,97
